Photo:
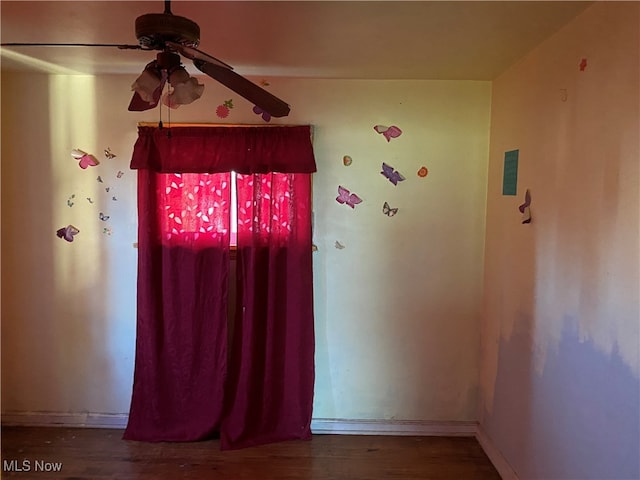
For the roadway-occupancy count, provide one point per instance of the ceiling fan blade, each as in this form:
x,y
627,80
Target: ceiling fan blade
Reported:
x,y
117,45
245,88
194,54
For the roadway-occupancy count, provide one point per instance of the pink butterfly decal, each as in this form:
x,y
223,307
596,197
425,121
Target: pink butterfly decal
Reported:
x,y
394,176
86,159
266,116
67,232
346,197
388,132
524,208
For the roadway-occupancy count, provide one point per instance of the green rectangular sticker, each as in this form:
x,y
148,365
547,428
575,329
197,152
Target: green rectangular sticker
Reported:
x,y
510,173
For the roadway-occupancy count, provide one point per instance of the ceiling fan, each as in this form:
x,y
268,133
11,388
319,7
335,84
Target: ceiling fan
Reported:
x,y
174,36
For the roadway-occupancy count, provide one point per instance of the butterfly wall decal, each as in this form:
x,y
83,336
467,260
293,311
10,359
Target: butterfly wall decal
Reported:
x,y
119,174
524,208
109,154
388,132
347,198
104,217
391,174
339,245
583,64
388,211
266,116
85,159
67,232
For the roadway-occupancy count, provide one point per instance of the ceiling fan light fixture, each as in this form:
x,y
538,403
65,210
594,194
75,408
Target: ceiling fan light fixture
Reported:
x,y
183,93
178,75
147,83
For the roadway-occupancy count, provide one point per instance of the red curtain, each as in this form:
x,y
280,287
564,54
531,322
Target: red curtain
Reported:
x,y
183,387
271,371
183,269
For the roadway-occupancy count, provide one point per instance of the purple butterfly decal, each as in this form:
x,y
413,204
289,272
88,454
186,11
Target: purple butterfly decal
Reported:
x,y
67,232
346,197
524,208
393,175
266,116
388,132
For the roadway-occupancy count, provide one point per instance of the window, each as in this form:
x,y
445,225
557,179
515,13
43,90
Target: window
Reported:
x,y
196,204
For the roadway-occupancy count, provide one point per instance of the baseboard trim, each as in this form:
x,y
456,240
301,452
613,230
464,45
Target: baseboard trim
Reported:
x,y
500,463
55,419
318,425
392,427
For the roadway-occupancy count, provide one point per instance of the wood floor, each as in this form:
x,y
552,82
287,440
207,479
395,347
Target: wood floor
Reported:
x,y
97,454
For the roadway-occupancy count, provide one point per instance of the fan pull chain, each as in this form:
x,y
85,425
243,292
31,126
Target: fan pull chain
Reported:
x,y
169,120
160,125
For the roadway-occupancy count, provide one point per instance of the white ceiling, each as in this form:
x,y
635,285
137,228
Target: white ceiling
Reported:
x,y
448,40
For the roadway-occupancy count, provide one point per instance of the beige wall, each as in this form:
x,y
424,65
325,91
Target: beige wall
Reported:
x,y
396,310
579,158
560,340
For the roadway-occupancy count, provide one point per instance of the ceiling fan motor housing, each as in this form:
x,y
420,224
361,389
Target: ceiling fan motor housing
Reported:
x,y
154,29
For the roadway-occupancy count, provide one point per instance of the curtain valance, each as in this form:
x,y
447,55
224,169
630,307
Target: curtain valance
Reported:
x,y
216,149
